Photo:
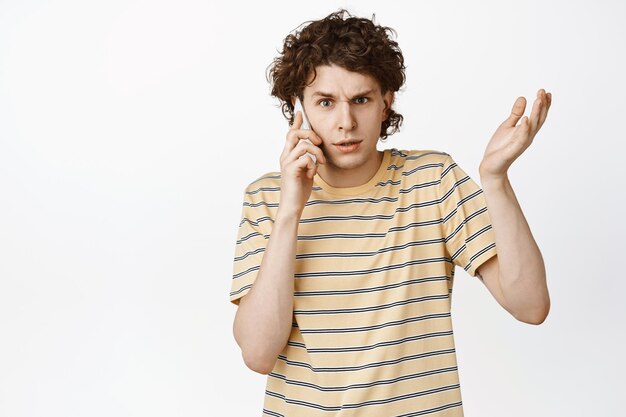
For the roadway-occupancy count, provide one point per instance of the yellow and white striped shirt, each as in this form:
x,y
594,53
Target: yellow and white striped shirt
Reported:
x,y
374,269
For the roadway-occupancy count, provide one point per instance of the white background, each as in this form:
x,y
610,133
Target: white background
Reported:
x,y
129,129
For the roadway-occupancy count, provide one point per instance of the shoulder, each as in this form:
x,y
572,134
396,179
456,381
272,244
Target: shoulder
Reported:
x,y
268,180
263,192
424,160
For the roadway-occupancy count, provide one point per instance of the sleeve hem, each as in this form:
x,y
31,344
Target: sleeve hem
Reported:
x,y
487,254
236,296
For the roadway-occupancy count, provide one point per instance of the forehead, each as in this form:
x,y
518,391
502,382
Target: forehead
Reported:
x,y
338,81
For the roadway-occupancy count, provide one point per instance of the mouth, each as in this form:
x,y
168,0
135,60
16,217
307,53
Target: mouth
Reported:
x,y
349,145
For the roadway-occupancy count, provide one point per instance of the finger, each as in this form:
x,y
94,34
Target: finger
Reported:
x,y
312,149
535,113
527,133
295,135
526,126
291,141
308,134
522,138
314,138
311,168
305,147
293,138
516,112
297,125
544,109
295,153
297,120
303,166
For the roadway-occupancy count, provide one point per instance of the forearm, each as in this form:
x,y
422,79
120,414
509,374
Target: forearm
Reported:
x,y
265,315
522,272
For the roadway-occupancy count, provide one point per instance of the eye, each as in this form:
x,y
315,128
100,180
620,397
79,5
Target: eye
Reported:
x,y
324,101
365,100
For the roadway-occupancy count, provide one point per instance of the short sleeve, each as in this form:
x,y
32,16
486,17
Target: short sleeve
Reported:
x,y
468,235
249,250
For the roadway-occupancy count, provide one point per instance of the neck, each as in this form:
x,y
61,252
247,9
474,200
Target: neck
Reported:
x,y
350,177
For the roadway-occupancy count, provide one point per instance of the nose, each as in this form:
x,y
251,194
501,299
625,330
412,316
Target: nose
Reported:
x,y
347,121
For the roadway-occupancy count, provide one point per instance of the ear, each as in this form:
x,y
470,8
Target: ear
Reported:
x,y
388,99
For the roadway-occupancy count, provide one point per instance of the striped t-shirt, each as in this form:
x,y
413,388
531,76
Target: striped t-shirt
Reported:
x,y
372,333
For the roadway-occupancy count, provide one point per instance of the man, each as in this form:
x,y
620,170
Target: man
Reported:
x,y
344,268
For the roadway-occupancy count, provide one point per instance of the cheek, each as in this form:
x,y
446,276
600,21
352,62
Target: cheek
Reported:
x,y
322,130
373,125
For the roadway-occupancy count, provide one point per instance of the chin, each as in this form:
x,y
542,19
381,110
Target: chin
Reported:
x,y
348,161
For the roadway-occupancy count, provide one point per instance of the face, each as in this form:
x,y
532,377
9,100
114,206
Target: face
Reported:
x,y
346,110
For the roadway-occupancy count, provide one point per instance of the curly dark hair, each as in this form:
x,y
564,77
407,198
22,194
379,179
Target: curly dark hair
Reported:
x,y
356,44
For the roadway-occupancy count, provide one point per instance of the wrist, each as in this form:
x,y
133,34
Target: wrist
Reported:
x,y
491,182
491,172
288,214
487,176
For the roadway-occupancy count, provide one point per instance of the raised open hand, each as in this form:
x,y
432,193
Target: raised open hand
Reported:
x,y
510,140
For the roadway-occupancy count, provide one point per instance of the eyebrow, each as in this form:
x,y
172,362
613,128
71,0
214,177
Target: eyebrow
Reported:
x,y
361,94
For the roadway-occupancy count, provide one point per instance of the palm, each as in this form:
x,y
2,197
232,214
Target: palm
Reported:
x,y
510,140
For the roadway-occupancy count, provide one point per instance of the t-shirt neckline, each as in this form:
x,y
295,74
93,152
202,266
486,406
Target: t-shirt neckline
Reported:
x,y
359,189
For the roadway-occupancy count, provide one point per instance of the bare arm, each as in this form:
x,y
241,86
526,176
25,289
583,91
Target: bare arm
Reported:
x,y
516,276
264,317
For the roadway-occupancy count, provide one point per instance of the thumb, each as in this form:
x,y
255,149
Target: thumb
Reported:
x,y
516,112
